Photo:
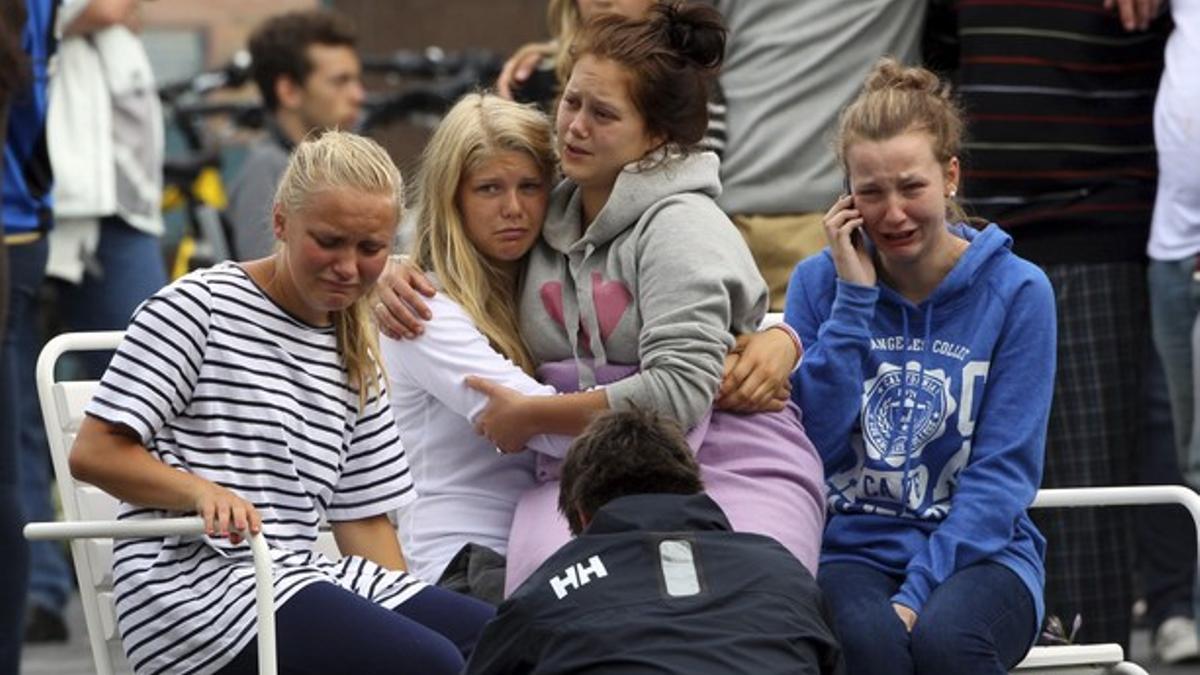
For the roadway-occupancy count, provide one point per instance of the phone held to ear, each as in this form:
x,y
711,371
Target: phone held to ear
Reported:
x,y
857,240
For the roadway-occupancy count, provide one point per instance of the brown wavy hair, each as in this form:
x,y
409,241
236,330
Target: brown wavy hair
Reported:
x,y
673,56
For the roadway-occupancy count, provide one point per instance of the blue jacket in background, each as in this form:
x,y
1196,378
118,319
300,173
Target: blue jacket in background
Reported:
x,y
931,418
27,176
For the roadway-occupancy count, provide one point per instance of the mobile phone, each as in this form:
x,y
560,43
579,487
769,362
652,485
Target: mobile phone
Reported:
x,y
856,237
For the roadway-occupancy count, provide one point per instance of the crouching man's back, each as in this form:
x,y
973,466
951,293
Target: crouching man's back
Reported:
x,y
655,581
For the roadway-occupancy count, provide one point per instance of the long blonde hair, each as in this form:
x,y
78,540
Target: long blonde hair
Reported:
x,y
564,21
477,129
339,159
896,99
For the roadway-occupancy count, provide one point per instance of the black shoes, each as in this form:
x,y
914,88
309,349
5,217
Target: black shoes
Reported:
x,y
44,626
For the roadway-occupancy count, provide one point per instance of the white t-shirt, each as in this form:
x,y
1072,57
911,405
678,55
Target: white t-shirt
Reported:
x,y
219,381
1175,230
467,491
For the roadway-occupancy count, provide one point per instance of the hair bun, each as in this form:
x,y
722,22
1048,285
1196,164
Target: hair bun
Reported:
x,y
890,74
695,32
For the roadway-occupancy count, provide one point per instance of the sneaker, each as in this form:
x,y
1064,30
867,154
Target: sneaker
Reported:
x,y
1141,618
1176,640
43,626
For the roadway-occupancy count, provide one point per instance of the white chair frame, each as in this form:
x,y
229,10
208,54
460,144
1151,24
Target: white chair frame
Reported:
x,y
91,549
1104,658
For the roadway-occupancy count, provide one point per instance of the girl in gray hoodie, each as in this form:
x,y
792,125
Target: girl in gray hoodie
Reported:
x,y
639,283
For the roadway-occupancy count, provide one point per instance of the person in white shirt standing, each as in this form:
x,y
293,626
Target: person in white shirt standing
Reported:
x,y
1175,230
1174,282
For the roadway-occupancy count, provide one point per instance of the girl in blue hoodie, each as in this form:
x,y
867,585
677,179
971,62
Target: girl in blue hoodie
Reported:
x,y
926,387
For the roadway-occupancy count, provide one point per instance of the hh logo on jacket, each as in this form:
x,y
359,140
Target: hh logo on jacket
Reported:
x,y
577,575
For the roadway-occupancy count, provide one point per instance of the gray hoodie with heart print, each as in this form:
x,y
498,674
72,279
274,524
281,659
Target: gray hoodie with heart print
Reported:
x,y
661,279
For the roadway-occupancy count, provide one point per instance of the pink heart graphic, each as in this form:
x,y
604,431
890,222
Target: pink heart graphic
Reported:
x,y
552,300
611,299
551,293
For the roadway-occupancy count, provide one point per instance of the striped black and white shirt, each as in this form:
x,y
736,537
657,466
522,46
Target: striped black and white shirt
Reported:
x,y
218,380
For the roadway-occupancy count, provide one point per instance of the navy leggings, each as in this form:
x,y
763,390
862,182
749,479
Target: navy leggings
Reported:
x,y
327,629
980,621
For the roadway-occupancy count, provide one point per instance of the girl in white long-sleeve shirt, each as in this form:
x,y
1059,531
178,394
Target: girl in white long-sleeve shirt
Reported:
x,y
482,195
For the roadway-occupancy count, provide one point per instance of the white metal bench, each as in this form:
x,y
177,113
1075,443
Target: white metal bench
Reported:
x,y
1104,658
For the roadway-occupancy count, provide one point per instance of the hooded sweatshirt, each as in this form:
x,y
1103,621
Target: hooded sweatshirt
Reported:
x,y
931,418
660,279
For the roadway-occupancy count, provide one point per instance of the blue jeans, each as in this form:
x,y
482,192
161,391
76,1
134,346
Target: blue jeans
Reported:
x,y
1166,536
129,269
981,620
26,265
1174,307
326,629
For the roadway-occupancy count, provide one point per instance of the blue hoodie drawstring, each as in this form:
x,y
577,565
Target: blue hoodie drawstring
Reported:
x,y
908,445
903,394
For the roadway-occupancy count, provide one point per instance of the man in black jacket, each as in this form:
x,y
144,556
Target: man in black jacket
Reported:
x,y
655,580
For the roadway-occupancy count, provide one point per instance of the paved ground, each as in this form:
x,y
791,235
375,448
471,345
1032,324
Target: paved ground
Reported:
x,y
74,658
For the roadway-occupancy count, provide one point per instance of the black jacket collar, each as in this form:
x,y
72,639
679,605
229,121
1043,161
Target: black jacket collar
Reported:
x,y
659,513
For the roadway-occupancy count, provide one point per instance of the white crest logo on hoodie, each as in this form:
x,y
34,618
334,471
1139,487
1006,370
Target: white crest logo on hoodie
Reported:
x,y
904,408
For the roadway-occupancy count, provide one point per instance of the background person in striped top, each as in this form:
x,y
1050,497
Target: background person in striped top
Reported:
x,y
252,394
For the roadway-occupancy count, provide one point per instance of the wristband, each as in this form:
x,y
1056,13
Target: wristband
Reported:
x,y
791,332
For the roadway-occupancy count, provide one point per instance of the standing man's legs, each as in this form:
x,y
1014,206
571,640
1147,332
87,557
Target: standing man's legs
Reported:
x,y
1174,308
128,268
1175,313
777,243
49,574
26,263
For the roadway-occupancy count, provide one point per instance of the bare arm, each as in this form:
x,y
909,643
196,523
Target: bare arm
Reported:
x,y
512,418
372,538
566,414
100,14
757,372
399,310
111,458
